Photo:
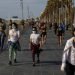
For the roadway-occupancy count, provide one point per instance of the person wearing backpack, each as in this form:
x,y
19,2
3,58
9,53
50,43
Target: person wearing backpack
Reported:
x,y
63,28
68,59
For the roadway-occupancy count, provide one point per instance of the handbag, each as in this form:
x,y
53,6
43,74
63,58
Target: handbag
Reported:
x,y
18,46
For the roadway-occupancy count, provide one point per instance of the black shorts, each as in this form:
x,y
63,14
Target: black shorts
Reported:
x,y
59,33
43,34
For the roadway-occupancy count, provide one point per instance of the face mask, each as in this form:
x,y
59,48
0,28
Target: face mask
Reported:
x,y
33,31
14,27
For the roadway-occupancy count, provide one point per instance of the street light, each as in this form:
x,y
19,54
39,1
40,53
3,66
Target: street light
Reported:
x,y
22,21
22,9
28,12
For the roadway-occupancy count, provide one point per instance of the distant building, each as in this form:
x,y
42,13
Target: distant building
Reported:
x,y
15,19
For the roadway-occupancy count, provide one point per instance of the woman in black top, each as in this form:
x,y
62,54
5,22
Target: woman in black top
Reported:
x,y
59,35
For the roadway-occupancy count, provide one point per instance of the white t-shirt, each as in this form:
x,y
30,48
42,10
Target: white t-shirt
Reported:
x,y
34,38
14,35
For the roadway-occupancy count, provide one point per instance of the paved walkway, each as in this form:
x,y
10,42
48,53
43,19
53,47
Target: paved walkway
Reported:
x,y
50,58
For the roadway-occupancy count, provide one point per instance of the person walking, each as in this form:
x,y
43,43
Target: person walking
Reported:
x,y
59,35
2,39
68,59
13,38
35,45
2,35
43,31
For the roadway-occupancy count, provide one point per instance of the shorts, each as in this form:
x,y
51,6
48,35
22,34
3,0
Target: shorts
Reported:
x,y
43,34
14,45
60,33
35,48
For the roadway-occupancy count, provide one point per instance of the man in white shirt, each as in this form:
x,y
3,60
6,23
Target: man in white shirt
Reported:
x,y
68,60
35,44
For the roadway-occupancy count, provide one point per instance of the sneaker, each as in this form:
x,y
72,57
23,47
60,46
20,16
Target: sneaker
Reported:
x,y
38,61
15,61
33,65
10,63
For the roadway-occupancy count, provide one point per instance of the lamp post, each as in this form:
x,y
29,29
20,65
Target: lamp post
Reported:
x,y
22,9
22,21
28,12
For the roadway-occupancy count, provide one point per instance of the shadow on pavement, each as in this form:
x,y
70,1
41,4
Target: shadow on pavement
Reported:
x,y
43,49
20,63
51,62
42,63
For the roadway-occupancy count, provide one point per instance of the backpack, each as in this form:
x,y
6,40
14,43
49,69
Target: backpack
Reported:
x,y
59,28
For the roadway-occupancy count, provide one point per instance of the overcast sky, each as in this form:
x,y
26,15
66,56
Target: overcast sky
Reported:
x,y
9,8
